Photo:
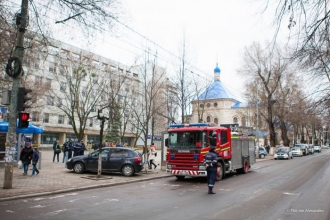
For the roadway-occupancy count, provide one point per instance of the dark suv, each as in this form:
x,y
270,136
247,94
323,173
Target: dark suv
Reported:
x,y
114,159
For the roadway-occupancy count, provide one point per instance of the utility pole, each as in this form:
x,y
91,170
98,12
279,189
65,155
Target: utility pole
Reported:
x,y
257,121
16,73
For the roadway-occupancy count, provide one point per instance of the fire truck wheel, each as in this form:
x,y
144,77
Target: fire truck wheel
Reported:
x,y
180,177
219,171
245,167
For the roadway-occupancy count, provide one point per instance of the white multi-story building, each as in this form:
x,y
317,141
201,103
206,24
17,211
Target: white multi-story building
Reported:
x,y
63,76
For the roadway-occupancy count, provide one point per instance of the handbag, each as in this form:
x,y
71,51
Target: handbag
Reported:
x,y
20,165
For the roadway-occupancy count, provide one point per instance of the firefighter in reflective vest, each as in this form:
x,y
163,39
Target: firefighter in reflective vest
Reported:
x,y
211,164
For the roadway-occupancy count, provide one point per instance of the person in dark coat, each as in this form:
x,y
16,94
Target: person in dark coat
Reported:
x,y
35,159
83,147
57,151
211,163
26,157
67,149
77,149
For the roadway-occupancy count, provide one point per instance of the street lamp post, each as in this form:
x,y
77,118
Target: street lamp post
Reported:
x,y
323,127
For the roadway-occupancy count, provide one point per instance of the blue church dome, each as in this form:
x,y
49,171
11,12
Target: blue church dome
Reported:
x,y
217,69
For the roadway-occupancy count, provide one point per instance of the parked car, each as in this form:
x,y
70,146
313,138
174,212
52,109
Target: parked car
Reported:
x,y
262,152
304,148
310,149
325,147
296,152
283,153
317,149
123,160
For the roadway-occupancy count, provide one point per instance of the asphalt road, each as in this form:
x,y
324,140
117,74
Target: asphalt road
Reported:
x,y
285,189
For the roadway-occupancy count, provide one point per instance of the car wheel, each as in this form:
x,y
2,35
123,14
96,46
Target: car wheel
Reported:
x,y
180,177
78,167
127,170
275,158
262,156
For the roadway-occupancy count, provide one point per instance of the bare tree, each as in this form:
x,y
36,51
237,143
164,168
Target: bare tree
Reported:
x,y
265,69
78,88
182,80
152,93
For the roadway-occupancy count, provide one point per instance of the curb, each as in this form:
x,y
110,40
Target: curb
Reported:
x,y
28,196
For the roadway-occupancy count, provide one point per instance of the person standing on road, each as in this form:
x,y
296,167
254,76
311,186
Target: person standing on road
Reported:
x,y
211,163
35,159
26,157
267,149
57,151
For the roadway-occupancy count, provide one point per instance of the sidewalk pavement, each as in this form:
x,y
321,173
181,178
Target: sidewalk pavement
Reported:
x,y
55,178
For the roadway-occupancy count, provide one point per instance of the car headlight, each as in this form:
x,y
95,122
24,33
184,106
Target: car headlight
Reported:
x,y
169,166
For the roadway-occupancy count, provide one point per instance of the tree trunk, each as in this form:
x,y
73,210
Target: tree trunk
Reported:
x,y
8,181
284,133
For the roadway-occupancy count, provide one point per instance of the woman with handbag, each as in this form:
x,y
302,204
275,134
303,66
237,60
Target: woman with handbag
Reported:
x,y
57,150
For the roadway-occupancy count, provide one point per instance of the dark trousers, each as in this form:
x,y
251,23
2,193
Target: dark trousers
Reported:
x,y
69,154
211,176
57,155
26,168
151,162
34,169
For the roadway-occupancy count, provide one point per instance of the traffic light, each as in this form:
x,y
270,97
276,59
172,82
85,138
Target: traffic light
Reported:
x,y
22,99
23,120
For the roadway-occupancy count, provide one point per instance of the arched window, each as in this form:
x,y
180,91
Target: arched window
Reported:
x,y
208,119
235,120
201,106
208,105
215,104
216,120
243,121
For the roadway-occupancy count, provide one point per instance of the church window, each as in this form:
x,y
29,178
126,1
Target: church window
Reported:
x,y
208,105
235,120
216,120
208,119
201,106
215,104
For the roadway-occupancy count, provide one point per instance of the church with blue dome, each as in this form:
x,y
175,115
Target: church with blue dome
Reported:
x,y
217,104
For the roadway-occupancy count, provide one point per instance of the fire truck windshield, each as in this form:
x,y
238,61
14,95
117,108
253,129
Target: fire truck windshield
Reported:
x,y
187,140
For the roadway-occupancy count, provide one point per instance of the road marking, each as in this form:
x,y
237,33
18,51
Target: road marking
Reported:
x,y
56,212
10,211
291,194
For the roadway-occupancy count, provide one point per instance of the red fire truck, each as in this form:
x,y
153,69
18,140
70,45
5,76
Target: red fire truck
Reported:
x,y
187,144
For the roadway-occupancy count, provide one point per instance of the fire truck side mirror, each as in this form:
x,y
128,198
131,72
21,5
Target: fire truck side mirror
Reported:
x,y
166,142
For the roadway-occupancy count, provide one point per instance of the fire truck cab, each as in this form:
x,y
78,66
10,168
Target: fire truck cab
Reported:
x,y
187,145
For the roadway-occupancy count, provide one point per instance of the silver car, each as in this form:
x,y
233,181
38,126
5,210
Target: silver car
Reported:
x,y
283,153
296,152
318,149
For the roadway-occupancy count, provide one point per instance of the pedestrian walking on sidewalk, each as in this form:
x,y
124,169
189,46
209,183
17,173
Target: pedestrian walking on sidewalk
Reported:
x,y
211,164
35,159
57,151
26,157
152,157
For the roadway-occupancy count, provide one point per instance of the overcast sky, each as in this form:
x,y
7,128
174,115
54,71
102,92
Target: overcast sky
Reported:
x,y
215,30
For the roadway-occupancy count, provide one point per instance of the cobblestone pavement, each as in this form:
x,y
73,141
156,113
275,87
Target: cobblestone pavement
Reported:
x,y
55,178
